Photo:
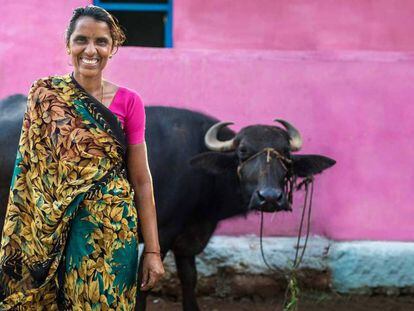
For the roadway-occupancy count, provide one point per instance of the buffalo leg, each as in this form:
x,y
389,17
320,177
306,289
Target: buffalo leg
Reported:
x,y
187,273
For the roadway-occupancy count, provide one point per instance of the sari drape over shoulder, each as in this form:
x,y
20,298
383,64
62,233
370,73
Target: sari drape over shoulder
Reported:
x,y
70,235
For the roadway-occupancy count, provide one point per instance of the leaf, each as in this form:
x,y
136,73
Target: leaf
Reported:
x,y
116,213
88,173
77,247
9,228
93,292
124,263
57,113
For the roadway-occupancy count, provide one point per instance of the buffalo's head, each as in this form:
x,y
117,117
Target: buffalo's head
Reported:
x,y
261,156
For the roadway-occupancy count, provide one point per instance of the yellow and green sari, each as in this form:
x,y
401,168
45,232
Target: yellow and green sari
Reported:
x,y
69,240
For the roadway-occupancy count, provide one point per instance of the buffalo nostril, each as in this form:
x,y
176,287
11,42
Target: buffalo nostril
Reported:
x,y
279,195
261,196
270,195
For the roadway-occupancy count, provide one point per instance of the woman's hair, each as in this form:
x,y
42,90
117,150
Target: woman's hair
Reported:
x,y
99,14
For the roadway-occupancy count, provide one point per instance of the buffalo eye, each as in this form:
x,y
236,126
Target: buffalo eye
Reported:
x,y
243,153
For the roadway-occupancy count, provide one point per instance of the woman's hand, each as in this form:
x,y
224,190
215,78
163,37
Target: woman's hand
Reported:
x,y
153,270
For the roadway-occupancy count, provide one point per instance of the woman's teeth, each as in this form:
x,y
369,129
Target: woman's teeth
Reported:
x,y
90,61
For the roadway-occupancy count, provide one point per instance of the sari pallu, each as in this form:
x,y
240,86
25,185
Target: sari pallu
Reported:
x,y
70,235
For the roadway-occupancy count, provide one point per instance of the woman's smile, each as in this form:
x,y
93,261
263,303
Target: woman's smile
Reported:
x,y
89,61
90,47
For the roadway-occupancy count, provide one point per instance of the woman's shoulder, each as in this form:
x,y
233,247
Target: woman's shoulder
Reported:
x,y
54,78
130,98
129,93
50,81
44,88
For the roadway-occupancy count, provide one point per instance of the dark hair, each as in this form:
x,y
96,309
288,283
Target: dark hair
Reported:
x,y
99,14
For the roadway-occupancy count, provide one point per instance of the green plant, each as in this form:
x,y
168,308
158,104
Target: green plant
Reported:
x,y
292,294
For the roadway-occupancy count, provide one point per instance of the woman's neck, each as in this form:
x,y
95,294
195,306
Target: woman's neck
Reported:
x,y
93,85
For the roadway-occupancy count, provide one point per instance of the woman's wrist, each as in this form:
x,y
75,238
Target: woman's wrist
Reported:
x,y
156,253
152,250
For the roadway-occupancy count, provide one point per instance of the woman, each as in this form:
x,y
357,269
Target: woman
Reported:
x,y
70,234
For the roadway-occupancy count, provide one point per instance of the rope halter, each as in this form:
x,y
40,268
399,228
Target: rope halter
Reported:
x,y
284,161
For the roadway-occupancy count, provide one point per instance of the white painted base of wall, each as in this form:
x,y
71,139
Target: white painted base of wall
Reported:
x,y
357,267
362,266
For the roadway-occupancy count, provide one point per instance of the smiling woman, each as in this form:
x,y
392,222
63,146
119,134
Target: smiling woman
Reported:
x,y
70,235
92,39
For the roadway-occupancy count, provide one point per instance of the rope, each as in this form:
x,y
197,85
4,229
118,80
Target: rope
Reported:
x,y
274,269
298,259
290,183
284,161
308,220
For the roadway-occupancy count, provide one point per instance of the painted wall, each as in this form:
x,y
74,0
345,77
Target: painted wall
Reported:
x,y
352,106
295,24
32,41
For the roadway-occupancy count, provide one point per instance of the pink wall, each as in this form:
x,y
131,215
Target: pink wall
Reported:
x,y
352,106
295,24
32,41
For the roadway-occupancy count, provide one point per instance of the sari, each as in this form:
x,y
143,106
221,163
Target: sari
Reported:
x,y
70,235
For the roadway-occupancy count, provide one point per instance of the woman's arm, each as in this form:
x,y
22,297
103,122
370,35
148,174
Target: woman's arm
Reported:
x,y
140,178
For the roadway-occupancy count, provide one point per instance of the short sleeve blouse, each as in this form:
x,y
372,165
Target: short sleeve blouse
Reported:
x,y
129,108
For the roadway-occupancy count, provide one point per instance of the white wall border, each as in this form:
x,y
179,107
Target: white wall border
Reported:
x,y
356,267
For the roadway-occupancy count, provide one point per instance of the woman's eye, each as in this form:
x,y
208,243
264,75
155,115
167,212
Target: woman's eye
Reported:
x,y
101,41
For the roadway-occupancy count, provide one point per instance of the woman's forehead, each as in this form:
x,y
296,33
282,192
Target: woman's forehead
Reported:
x,y
90,26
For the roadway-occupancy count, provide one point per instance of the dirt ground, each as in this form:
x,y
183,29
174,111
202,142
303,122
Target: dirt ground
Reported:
x,y
309,302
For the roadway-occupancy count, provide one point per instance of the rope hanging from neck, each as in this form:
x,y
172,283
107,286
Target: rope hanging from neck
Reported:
x,y
291,278
290,185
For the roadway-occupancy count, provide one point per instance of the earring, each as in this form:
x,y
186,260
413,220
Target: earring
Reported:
x,y
68,51
110,56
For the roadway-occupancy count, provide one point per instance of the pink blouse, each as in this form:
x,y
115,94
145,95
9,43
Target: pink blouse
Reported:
x,y
128,107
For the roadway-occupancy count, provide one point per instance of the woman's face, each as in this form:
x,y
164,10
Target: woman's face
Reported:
x,y
90,46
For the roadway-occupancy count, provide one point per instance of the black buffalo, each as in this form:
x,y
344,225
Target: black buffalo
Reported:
x,y
11,117
203,173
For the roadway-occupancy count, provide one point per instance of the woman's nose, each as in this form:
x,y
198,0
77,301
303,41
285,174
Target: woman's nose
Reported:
x,y
90,49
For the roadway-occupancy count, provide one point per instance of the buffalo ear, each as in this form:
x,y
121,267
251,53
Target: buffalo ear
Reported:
x,y
215,162
307,165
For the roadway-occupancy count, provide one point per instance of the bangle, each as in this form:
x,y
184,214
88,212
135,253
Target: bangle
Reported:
x,y
149,252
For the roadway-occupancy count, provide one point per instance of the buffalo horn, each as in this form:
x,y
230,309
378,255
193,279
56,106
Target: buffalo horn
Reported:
x,y
295,139
211,141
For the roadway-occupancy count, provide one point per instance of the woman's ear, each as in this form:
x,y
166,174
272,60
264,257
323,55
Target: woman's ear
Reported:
x,y
114,50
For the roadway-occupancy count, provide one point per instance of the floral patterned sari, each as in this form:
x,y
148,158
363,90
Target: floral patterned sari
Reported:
x,y
70,235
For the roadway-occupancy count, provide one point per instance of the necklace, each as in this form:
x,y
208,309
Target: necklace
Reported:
x,y
102,93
